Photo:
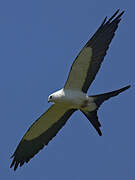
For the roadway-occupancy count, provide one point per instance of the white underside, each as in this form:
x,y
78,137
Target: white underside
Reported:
x,y
74,99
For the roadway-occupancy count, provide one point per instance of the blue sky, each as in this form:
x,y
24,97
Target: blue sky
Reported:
x,y
39,41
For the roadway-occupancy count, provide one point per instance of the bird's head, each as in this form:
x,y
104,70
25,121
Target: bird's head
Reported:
x,y
56,96
51,98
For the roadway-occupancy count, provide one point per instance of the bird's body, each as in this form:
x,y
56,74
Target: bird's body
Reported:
x,y
73,96
73,99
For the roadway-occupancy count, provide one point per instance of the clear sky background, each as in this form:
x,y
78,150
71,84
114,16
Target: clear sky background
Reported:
x,y
38,42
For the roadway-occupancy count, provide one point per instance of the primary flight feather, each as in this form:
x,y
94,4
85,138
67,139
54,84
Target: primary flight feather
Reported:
x,y
73,96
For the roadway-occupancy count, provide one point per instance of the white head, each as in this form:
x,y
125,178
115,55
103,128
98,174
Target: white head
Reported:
x,y
56,96
51,98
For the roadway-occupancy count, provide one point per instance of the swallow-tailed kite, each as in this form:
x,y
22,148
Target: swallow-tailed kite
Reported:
x,y
73,96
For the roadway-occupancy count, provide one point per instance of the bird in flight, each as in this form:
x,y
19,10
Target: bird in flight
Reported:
x,y
73,96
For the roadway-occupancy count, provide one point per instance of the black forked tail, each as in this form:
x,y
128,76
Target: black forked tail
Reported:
x,y
93,119
100,98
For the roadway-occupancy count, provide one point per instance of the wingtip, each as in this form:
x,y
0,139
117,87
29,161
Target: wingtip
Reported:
x,y
16,165
114,15
12,164
120,14
99,132
127,87
117,11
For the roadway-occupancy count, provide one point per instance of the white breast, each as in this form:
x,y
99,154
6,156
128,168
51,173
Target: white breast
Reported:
x,y
71,97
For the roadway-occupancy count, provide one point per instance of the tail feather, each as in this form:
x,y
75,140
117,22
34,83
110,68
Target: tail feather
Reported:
x,y
93,118
100,98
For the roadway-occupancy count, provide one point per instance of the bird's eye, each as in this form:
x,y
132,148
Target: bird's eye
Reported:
x,y
50,97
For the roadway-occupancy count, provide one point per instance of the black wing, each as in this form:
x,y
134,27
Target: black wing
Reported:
x,y
40,133
88,62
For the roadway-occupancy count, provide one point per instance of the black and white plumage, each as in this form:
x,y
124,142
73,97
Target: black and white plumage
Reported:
x,y
73,96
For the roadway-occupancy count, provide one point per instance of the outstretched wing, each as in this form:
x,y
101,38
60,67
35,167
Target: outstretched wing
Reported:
x,y
40,133
87,63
